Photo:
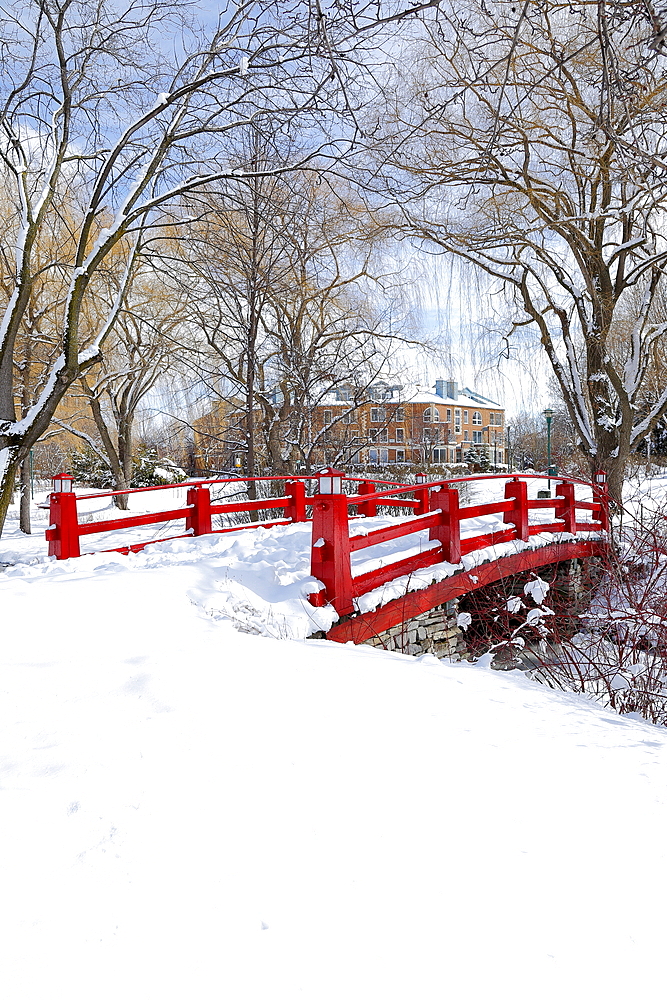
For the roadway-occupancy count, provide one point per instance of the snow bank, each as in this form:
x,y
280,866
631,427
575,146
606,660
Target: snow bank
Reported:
x,y
191,811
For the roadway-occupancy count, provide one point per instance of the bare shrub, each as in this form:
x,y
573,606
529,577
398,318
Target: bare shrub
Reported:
x,y
618,653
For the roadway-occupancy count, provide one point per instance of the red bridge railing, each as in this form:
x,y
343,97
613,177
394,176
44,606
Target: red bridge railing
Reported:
x,y
435,505
66,529
437,508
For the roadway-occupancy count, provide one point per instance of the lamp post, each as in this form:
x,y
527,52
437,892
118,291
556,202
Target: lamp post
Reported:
x,y
509,448
548,415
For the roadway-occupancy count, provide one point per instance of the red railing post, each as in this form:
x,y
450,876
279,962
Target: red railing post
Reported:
x,y
566,511
517,489
421,494
601,496
198,520
448,532
330,552
295,491
63,531
368,508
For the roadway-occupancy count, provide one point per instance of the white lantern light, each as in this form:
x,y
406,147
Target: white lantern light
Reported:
x,y
601,477
420,478
331,481
62,483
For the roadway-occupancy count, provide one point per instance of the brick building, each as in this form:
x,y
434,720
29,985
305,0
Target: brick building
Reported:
x,y
393,425
437,426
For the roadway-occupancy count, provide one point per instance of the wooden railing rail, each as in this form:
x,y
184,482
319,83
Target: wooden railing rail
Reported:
x,y
65,529
333,546
435,507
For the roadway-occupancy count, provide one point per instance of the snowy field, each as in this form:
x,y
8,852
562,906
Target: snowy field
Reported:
x,y
193,810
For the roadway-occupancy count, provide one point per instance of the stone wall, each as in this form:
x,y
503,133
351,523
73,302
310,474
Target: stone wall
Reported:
x,y
434,631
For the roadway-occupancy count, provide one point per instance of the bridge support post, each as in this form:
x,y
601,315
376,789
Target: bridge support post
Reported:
x,y
368,508
517,490
330,553
63,530
198,520
601,496
295,509
448,532
566,509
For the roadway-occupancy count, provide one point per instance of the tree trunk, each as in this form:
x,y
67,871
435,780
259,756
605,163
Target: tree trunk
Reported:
x,y
121,482
24,518
11,465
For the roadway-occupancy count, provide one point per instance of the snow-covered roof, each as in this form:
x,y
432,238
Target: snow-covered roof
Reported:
x,y
420,394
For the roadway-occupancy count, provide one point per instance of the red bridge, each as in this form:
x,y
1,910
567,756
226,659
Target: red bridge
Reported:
x,y
579,527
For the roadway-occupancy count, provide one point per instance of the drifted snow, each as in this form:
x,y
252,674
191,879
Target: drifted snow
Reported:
x,y
191,811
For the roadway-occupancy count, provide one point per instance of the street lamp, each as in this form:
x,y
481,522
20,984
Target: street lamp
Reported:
x,y
548,415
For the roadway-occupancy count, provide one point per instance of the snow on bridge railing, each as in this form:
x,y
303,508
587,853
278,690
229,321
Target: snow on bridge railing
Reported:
x,y
436,506
65,528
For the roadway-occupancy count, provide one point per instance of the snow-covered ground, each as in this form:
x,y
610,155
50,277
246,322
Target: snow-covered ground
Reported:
x,y
191,810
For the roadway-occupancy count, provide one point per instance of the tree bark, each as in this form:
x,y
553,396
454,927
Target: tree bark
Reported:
x,y
24,509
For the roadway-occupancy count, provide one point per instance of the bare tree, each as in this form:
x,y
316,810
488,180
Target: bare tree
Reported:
x,y
531,140
91,103
140,351
286,270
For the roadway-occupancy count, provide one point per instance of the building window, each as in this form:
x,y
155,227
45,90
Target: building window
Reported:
x,y
431,435
384,456
476,437
379,435
466,435
373,456
347,418
400,455
457,421
328,416
465,416
377,414
400,435
452,454
496,419
476,418
399,416
427,415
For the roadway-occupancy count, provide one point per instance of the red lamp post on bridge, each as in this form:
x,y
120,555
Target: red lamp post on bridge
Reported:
x,y
62,533
330,481
63,482
330,557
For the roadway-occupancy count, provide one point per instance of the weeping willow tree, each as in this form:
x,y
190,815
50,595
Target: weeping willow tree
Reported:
x,y
530,140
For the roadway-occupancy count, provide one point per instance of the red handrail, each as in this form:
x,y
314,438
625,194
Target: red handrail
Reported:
x,y
435,504
65,530
333,546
